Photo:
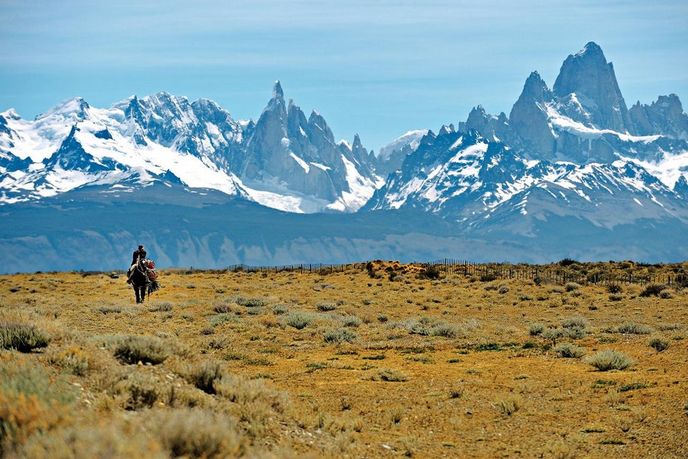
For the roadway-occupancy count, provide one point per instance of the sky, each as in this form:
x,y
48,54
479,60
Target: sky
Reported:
x,y
377,68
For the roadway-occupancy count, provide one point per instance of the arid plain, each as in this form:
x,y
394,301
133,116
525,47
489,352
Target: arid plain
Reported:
x,y
356,363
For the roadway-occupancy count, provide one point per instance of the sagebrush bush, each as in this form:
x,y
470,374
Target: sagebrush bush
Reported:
x,y
390,376
74,360
205,376
325,307
163,306
652,290
503,289
610,360
111,440
351,321
633,329
665,294
250,302
536,329
575,322
553,334
572,286
196,433
145,349
138,391
445,330
279,309
659,344
569,351
508,405
614,288
22,337
298,320
339,335
431,272
30,401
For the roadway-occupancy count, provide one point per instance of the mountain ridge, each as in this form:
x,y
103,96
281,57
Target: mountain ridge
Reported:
x,y
571,171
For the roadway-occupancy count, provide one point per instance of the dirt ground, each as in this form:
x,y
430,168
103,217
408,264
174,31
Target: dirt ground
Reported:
x,y
349,364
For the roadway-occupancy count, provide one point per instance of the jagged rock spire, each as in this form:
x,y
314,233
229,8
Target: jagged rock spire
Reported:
x,y
592,80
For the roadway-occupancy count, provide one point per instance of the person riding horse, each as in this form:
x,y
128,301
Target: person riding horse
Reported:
x,y
139,254
138,275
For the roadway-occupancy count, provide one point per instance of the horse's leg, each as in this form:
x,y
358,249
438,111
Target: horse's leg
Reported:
x,y
136,292
143,293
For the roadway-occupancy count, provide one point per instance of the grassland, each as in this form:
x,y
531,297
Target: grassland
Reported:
x,y
349,364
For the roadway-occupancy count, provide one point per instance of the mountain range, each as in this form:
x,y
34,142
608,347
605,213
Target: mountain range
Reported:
x,y
571,171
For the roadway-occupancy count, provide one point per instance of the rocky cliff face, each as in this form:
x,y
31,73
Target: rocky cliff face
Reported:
x,y
284,160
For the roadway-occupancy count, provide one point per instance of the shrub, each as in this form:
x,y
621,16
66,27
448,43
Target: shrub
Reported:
x,y
444,330
610,360
204,376
390,376
298,320
250,302
575,332
382,318
553,334
536,329
503,289
488,347
659,344
569,351
109,309
139,391
420,326
324,307
508,405
614,288
279,309
488,277
161,307
431,272
21,337
339,335
351,321
222,308
146,349
652,290
615,297
575,322
567,262
633,329
110,440
196,433
665,294
73,359
571,286
30,401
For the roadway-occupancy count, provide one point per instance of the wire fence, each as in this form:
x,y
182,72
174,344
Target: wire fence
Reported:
x,y
551,274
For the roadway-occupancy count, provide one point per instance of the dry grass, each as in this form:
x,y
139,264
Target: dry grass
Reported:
x,y
391,361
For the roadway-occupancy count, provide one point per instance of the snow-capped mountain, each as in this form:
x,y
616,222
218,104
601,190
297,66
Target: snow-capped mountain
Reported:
x,y
572,151
283,161
570,172
391,156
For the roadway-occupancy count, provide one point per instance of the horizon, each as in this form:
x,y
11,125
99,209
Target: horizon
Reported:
x,y
361,74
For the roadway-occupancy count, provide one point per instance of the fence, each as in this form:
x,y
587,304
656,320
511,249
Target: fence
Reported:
x,y
557,274
552,274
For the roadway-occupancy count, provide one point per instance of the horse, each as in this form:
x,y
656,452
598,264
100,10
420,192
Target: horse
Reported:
x,y
139,281
144,279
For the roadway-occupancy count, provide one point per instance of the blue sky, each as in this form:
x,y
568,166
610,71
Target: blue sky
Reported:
x,y
378,68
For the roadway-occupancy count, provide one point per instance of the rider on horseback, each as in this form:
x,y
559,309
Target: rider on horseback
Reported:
x,y
138,256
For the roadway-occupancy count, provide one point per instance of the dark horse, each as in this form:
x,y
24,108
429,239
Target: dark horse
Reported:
x,y
139,280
